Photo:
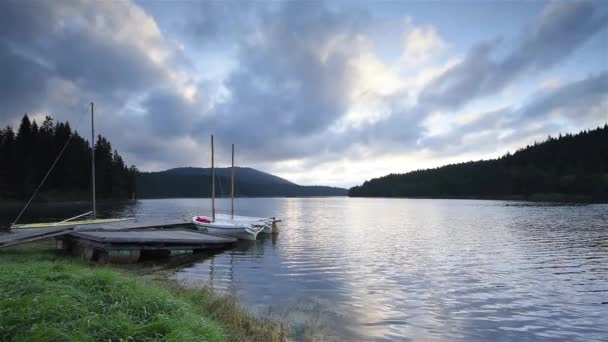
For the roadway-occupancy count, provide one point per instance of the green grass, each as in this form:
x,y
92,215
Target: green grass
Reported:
x,y
46,297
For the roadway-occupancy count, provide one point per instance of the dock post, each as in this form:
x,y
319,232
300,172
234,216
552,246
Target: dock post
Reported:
x,y
275,228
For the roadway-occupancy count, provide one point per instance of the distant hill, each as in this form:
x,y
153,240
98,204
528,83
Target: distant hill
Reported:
x,y
196,182
245,174
567,168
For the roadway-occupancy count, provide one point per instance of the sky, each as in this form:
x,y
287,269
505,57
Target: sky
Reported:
x,y
324,93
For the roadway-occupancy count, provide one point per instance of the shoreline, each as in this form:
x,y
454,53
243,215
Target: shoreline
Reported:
x,y
552,198
535,198
170,310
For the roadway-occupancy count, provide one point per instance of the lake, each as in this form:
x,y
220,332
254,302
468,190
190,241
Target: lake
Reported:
x,y
412,269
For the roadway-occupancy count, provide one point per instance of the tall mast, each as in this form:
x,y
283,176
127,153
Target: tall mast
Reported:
x,y
93,160
232,187
212,183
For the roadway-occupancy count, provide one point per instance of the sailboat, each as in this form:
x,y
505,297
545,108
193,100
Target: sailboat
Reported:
x,y
269,223
226,225
70,221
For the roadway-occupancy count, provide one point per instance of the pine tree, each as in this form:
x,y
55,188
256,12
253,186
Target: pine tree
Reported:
x,y
25,158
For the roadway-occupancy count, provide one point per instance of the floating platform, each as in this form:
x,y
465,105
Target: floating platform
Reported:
x,y
127,246
123,242
44,231
69,223
31,235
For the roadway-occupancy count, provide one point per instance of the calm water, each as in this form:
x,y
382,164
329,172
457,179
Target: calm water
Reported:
x,y
401,269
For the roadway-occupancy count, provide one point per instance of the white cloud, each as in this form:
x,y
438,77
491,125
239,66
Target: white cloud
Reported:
x,y
422,44
551,84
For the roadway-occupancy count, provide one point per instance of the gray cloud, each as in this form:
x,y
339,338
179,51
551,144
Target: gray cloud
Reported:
x,y
575,98
23,82
43,41
283,94
563,26
55,57
292,81
575,101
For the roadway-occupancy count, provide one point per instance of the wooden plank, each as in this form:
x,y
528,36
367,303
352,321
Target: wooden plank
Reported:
x,y
144,225
121,223
154,247
28,233
142,246
69,223
152,236
34,238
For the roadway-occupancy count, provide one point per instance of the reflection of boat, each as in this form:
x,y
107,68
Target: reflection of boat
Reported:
x,y
226,225
70,221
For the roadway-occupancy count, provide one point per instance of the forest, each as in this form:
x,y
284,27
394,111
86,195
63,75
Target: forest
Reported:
x,y
564,168
27,154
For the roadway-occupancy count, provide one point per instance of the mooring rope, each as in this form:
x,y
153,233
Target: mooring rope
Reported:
x,y
49,172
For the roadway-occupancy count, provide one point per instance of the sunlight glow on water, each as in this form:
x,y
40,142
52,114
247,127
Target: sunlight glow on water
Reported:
x,y
423,269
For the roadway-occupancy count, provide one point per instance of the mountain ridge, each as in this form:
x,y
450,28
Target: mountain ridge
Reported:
x,y
250,174
249,182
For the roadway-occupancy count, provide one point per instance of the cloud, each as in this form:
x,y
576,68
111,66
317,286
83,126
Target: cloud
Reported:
x,y
574,100
577,105
110,48
551,84
56,57
562,27
421,44
299,84
293,80
23,81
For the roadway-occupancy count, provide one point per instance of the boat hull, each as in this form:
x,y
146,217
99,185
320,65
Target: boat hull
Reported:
x,y
266,222
228,228
240,234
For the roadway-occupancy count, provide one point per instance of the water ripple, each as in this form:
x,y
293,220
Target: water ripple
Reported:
x,y
400,269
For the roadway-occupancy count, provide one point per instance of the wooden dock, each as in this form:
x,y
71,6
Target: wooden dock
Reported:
x,y
128,246
125,242
21,236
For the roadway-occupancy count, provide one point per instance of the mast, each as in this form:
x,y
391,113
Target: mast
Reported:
x,y
232,187
212,183
93,161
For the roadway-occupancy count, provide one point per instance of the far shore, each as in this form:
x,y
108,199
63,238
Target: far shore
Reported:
x,y
535,198
12,204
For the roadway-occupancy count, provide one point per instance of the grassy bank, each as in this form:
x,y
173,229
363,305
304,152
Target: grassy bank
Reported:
x,y
48,297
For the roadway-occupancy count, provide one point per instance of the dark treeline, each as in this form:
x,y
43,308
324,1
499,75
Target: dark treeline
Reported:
x,y
26,156
566,168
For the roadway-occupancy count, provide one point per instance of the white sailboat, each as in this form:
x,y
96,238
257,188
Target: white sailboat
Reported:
x,y
70,221
224,225
269,224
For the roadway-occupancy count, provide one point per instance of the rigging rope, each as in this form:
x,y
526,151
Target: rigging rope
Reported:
x,y
49,172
